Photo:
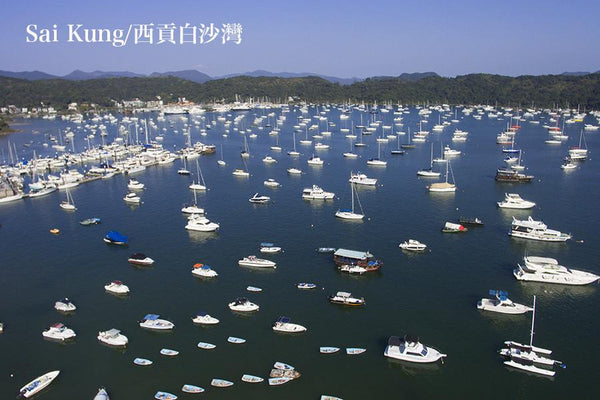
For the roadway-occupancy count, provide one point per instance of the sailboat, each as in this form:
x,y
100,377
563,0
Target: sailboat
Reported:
x,y
276,147
377,162
529,357
192,209
350,154
184,170
399,151
350,214
360,144
578,152
441,159
444,186
306,141
429,172
518,166
242,172
294,153
245,153
199,184
408,145
221,162
68,205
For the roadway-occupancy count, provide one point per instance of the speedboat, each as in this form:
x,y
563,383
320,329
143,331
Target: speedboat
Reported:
x,y
502,304
152,321
346,299
102,395
315,161
116,287
64,305
269,248
132,198
204,270
113,337
412,245
259,199
114,237
410,349
283,324
513,200
59,331
253,261
536,230
140,259
199,223
271,183
135,185
204,319
546,269
90,221
316,193
36,385
242,304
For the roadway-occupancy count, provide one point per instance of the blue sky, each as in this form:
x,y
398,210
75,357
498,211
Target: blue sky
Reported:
x,y
340,38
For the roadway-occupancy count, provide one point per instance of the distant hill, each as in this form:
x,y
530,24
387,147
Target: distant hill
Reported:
x,y
79,75
263,73
29,75
576,73
408,77
189,74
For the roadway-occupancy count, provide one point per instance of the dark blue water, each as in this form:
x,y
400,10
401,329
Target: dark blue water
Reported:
x,y
432,295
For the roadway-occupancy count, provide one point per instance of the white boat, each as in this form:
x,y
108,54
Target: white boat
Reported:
x,y
269,248
315,161
132,198
355,350
220,383
135,185
183,170
253,289
412,245
279,381
283,324
316,193
206,346
545,269
352,269
242,304
240,172
502,304
579,152
536,230
328,397
253,261
568,164
204,319
142,361
59,331
39,383
294,171
152,321
283,366
164,396
269,160
169,352
259,199
252,378
451,152
350,214
191,389
328,349
113,337
444,186
271,183
140,259
197,222
102,395
68,204
362,179
306,285
429,172
513,200
199,184
64,305
236,340
377,162
410,349
346,299
204,271
116,287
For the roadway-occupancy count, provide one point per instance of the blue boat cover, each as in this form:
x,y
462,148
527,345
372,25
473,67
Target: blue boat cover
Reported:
x,y
267,244
116,237
151,317
284,320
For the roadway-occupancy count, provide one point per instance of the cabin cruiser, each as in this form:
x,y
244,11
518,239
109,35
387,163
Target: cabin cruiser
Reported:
x,y
140,259
315,161
152,321
271,183
192,209
502,304
283,324
513,200
269,248
196,222
410,349
135,185
116,287
204,319
546,269
64,305
362,179
242,304
259,199
511,175
536,230
346,299
113,337
240,172
451,152
59,331
269,160
132,198
253,261
316,193
204,270
412,245
294,171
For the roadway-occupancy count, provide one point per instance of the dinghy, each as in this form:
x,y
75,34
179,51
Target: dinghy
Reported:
x,y
191,389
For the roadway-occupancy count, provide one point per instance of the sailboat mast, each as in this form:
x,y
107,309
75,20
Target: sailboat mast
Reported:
x,y
532,323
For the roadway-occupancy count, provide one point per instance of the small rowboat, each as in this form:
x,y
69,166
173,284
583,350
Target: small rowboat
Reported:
x,y
354,350
328,350
38,384
220,383
326,249
191,389
280,365
304,285
55,231
253,289
101,395
206,346
236,340
251,378
328,397
169,352
283,373
278,381
164,396
142,361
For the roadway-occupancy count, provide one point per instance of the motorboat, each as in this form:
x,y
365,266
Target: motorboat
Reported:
x,y
306,285
451,152
64,305
90,221
269,248
412,245
152,321
568,164
204,271
511,175
38,384
294,171
116,287
450,227
502,304
240,172
197,222
113,337
346,299
253,289
283,324
269,160
220,383
102,394
362,179
328,349
316,193
546,269
59,331
259,199
410,349
140,259
142,361
352,269
191,389
253,261
536,230
513,200
135,185
271,183
132,198
204,319
242,304
252,378
114,237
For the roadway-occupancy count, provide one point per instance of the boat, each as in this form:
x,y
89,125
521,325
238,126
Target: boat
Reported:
x,y
220,161
113,337
236,340
315,161
64,305
54,231
259,199
69,204
294,171
271,183
132,198
513,200
169,352
536,230
548,270
284,373
220,383
90,221
377,162
579,152
204,271
152,321
355,350
102,395
142,361
326,249
204,319
352,269
114,237
197,222
501,304
283,324
269,248
135,185
279,381
240,172
451,152
362,179
38,384
429,172
253,289
140,259
511,175
59,331
304,285
328,349
350,214
253,261
412,245
252,378
444,186
470,221
450,227
183,170
199,184
410,349
316,193
328,397
191,389
164,396
242,304
353,257
206,346
283,366
346,299
116,287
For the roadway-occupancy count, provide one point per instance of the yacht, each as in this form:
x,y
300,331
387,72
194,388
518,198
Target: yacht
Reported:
x,y
350,213
271,183
132,198
69,204
152,321
315,161
240,172
283,324
294,171
204,270
412,245
536,230
199,223
362,179
116,287
429,172
410,349
59,332
546,269
269,160
513,200
253,261
204,319
135,185
64,305
346,299
502,304
316,193
451,152
113,337
259,199
242,304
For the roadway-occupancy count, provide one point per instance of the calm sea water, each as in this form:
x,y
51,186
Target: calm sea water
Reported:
x,y
432,295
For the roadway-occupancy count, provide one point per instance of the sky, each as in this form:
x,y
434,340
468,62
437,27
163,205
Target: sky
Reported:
x,y
351,38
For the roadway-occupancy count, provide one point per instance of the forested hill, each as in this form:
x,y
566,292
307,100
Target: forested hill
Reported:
x,y
545,90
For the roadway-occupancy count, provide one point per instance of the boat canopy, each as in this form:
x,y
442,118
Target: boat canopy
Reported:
x,y
116,236
138,256
408,338
361,255
112,332
202,314
284,320
151,317
343,294
266,244
395,341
